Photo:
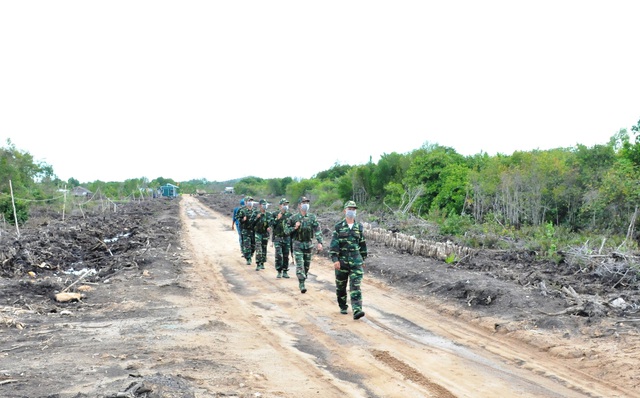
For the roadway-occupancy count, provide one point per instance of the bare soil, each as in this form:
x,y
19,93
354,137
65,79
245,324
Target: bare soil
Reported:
x,y
166,307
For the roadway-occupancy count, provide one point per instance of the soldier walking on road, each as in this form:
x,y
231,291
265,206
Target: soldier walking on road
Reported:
x,y
235,223
261,221
304,227
248,236
348,251
281,238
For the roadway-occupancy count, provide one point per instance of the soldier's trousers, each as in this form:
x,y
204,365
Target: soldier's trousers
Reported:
x,y
261,247
353,275
248,243
239,235
282,247
302,254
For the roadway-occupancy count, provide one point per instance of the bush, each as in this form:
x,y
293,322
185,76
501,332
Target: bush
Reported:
x,y
455,224
327,196
6,209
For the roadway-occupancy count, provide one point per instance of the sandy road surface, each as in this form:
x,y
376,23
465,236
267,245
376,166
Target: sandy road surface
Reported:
x,y
286,344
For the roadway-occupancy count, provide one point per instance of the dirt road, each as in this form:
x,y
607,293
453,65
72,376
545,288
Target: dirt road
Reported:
x,y
184,316
277,342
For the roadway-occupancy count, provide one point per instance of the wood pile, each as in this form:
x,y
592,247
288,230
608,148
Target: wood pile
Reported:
x,y
417,247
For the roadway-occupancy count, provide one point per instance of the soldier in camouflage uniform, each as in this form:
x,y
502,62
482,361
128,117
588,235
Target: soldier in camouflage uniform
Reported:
x,y
304,227
248,236
235,223
281,238
261,221
348,251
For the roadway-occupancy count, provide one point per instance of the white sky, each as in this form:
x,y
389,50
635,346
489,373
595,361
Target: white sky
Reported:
x,y
112,90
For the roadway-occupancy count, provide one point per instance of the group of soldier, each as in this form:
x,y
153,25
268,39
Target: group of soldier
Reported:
x,y
294,235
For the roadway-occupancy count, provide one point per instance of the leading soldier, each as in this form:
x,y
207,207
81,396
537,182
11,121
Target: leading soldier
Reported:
x,y
348,251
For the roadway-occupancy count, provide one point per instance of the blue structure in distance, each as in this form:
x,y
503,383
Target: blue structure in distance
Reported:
x,y
169,190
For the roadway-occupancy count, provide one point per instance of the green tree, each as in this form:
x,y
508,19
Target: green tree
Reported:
x,y
589,165
28,177
344,186
301,188
72,182
631,150
278,186
160,181
253,186
391,167
425,170
336,171
6,210
361,181
326,195
484,180
450,198
617,198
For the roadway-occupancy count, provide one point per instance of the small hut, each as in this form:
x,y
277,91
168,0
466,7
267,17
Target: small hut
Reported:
x,y
80,191
169,190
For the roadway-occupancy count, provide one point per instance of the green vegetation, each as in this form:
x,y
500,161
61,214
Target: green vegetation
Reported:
x,y
6,210
541,200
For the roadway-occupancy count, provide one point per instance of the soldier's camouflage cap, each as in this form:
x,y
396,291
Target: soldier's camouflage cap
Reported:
x,y
283,201
248,198
350,203
263,202
303,199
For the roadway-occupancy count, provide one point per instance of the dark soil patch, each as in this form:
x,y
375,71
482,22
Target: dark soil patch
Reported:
x,y
101,249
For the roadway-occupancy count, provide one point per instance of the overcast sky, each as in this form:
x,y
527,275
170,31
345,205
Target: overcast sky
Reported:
x,y
112,90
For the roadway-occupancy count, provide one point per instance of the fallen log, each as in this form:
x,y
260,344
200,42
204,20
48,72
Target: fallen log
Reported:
x,y
574,310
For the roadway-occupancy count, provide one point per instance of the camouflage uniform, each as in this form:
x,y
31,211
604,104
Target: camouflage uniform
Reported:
x,y
281,239
235,223
348,246
261,221
301,239
248,235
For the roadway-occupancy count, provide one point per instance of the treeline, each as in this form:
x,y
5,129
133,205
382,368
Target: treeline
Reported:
x,y
34,182
596,188
589,190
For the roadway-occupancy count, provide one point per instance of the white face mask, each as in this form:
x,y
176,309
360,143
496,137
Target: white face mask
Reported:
x,y
285,208
305,207
350,214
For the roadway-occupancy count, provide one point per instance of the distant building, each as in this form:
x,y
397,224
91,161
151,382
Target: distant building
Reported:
x,y
228,190
169,190
80,191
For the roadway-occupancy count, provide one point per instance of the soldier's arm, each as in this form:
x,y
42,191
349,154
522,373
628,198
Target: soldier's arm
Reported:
x,y
318,231
363,243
